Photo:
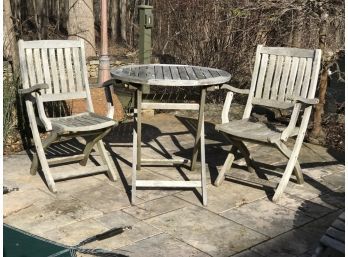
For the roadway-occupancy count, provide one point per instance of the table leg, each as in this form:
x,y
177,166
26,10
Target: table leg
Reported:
x,y
203,174
134,153
139,100
199,128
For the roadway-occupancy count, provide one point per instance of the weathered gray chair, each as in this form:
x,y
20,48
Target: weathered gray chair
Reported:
x,y
283,78
332,243
55,70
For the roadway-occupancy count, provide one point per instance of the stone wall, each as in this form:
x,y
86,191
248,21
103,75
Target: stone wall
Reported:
x,y
93,66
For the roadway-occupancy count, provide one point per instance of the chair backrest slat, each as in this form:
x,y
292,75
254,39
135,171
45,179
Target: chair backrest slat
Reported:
x,y
77,69
261,76
299,77
69,69
30,64
54,70
63,96
307,77
269,77
280,73
46,70
277,75
292,77
284,79
61,69
58,63
38,66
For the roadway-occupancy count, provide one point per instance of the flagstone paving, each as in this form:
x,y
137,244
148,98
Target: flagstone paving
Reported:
x,y
240,220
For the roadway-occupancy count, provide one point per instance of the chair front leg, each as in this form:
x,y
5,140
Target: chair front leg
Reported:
x,y
90,142
287,153
227,165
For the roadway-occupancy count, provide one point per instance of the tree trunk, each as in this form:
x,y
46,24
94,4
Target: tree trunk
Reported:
x,y
10,42
317,132
123,10
81,24
115,20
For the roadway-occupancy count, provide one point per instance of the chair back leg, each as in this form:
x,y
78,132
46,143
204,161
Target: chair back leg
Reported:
x,y
107,161
45,144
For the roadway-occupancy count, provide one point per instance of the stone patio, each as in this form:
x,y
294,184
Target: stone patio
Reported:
x,y
240,220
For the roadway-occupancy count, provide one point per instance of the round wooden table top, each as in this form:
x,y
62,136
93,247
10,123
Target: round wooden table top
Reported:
x,y
170,75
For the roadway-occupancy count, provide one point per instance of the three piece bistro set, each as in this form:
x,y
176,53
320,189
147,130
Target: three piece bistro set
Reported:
x,y
55,70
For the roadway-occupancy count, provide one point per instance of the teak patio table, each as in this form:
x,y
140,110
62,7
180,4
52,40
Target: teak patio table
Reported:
x,y
169,75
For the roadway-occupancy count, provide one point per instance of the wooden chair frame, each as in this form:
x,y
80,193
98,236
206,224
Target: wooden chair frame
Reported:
x,y
55,70
282,78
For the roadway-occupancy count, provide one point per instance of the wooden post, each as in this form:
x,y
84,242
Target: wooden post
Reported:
x,y
104,61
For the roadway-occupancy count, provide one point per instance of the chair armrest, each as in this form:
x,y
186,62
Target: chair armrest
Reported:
x,y
235,90
303,100
42,115
33,89
228,100
109,82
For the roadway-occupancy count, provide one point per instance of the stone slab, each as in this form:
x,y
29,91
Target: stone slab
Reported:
x,y
16,201
335,179
314,208
266,217
105,198
228,195
140,230
74,233
307,190
38,221
76,185
161,245
333,200
156,207
296,242
247,253
206,231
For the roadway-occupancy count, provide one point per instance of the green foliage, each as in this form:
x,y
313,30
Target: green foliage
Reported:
x,y
11,85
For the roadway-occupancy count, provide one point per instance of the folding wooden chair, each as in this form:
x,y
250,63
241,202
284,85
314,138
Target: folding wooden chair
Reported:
x,y
55,70
332,243
283,78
